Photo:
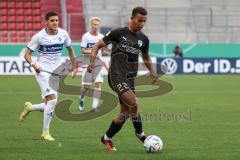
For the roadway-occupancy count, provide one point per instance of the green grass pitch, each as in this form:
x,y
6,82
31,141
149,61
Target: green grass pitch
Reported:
x,y
201,122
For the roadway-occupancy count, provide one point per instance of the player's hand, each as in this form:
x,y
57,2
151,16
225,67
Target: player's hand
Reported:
x,y
36,68
153,76
90,68
74,73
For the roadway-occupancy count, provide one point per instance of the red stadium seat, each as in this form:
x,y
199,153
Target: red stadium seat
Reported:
x,y
30,34
28,12
12,4
37,26
29,26
29,19
21,34
20,26
37,19
4,34
12,19
4,19
19,5
4,4
28,5
20,19
4,26
36,12
20,12
13,34
36,5
12,11
4,39
13,39
22,40
12,26
4,12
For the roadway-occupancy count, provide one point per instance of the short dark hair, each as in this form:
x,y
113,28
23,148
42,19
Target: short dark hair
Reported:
x,y
139,10
50,14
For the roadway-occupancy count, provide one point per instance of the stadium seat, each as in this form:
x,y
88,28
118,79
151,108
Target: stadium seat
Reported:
x,y
4,4
4,26
29,19
12,19
13,39
37,26
20,19
12,11
28,12
36,5
20,12
12,26
20,26
22,39
4,39
36,12
4,11
20,5
13,34
4,19
21,34
37,19
29,26
30,33
28,5
4,34
12,4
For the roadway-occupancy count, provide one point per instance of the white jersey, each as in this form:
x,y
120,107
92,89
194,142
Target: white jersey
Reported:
x,y
88,40
49,48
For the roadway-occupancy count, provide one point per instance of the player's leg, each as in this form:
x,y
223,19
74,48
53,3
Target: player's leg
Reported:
x,y
96,96
97,75
51,101
28,106
129,99
86,83
115,127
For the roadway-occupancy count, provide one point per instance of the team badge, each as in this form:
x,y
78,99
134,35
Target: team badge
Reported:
x,y
140,43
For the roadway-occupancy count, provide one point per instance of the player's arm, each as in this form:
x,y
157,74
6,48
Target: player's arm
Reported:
x,y
31,47
94,53
85,51
72,57
148,63
28,58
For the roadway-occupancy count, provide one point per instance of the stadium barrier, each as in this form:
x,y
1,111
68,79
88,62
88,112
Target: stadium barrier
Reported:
x,y
200,65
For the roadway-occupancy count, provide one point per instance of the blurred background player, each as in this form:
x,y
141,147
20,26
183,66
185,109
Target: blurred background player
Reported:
x,y
88,40
49,43
128,43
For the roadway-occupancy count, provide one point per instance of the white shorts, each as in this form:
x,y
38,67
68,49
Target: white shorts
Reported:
x,y
96,76
48,84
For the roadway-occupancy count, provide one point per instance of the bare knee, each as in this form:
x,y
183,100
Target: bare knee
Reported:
x,y
98,85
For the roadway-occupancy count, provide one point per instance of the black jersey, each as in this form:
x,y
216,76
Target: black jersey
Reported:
x,y
127,46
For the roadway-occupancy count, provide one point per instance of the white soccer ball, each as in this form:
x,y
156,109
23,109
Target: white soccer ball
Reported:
x,y
153,144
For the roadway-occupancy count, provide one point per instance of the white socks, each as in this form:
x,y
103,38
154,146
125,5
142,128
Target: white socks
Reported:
x,y
106,137
37,107
96,97
48,113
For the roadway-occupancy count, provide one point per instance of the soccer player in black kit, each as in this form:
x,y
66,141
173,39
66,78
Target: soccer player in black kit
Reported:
x,y
128,43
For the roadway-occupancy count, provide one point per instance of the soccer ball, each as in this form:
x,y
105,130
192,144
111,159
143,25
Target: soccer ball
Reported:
x,y
153,144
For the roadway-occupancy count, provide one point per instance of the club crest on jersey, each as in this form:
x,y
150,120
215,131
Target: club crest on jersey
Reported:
x,y
60,39
140,43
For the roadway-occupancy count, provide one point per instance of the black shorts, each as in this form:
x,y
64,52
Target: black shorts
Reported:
x,y
121,84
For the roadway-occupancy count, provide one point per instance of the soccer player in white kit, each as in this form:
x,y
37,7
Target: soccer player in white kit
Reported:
x,y
49,43
88,40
